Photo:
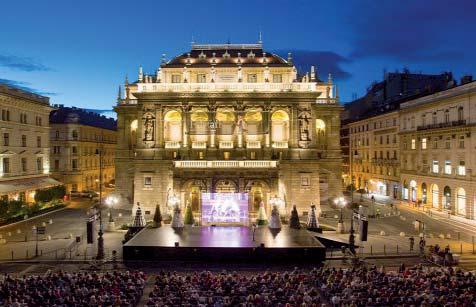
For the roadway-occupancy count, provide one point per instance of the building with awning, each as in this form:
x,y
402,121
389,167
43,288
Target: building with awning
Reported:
x,y
19,188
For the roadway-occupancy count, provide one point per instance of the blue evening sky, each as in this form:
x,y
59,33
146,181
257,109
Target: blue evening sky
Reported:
x,y
78,52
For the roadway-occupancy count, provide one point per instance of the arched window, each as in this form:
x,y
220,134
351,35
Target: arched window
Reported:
x,y
199,124
460,201
173,126
423,193
280,126
74,134
226,120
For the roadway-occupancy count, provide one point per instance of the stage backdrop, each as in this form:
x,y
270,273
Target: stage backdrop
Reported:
x,y
225,208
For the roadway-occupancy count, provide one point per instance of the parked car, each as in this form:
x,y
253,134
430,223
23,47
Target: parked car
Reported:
x,y
88,194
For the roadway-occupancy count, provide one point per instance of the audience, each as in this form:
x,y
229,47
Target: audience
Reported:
x,y
363,286
73,289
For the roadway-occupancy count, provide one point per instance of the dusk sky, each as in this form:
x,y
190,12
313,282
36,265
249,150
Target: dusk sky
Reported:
x,y
78,52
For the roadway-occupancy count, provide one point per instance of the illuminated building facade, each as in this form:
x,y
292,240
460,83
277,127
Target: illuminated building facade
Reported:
x,y
228,119
76,138
24,144
438,146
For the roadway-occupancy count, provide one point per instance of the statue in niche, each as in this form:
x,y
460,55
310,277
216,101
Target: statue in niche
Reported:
x,y
304,119
149,128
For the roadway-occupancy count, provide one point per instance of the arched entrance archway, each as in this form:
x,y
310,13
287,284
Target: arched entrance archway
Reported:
x,y
279,126
423,193
447,198
413,190
434,196
461,201
192,192
225,186
405,190
258,190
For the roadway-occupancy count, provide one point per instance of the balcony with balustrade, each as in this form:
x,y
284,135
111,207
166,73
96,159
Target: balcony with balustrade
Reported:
x,y
225,164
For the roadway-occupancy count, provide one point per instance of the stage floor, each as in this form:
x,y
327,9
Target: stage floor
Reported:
x,y
223,243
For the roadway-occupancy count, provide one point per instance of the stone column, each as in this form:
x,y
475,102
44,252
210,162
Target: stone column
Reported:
x,y
239,109
185,117
159,123
212,113
266,124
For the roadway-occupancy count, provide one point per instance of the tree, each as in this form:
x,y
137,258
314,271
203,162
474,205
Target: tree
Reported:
x,y
188,219
262,218
157,216
294,220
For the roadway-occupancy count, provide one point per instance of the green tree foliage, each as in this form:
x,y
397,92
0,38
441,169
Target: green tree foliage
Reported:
x,y
47,195
294,220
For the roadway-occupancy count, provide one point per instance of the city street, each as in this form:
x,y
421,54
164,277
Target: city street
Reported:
x,y
67,224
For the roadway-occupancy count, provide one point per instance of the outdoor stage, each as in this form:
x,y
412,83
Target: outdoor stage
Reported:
x,y
224,243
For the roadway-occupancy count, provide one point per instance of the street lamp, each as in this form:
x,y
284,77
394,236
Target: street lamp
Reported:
x,y
100,254
340,202
110,202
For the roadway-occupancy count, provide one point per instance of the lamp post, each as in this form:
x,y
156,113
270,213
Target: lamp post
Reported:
x,y
100,254
110,202
340,202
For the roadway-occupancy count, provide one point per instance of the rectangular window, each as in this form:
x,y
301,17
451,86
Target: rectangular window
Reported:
x,y
462,168
147,181
23,140
56,164
226,155
277,78
252,155
23,165
305,181
201,155
423,143
252,78
435,144
461,141
6,165
74,164
448,167
39,164
6,139
74,150
436,167
201,78
38,141
176,78
413,144
448,143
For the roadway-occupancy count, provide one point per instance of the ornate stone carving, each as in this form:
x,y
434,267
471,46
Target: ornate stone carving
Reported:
x,y
304,119
149,127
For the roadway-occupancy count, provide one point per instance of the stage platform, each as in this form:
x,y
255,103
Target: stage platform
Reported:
x,y
224,243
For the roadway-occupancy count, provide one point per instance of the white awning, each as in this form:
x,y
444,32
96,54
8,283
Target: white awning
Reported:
x,y
21,185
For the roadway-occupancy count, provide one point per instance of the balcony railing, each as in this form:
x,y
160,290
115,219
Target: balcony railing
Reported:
x,y
228,86
226,164
454,123
226,144
280,144
384,161
253,144
199,145
172,144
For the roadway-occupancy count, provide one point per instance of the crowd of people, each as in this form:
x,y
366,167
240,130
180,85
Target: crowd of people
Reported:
x,y
73,289
416,286
363,286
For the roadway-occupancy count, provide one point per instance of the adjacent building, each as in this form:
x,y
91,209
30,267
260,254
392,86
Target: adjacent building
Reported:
x,y
83,146
438,150
228,119
24,145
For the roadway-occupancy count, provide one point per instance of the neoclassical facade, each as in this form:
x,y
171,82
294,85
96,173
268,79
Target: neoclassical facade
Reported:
x,y
228,118
24,145
81,143
438,151
374,152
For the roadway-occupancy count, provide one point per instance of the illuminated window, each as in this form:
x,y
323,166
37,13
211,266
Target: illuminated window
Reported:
x,y
201,155
176,78
413,144
252,155
448,167
423,143
462,168
436,167
277,78
226,155
201,78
